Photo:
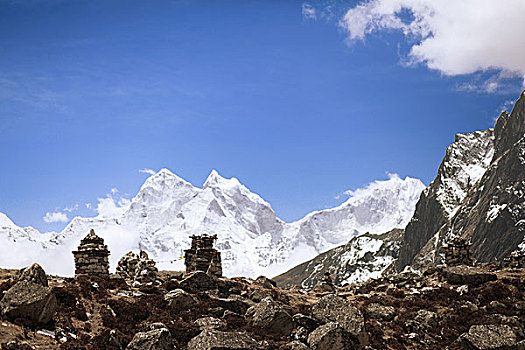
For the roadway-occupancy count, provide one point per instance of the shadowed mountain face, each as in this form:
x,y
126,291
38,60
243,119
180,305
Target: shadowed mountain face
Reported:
x,y
478,194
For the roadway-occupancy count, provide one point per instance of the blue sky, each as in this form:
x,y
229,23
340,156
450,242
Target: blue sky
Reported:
x,y
275,93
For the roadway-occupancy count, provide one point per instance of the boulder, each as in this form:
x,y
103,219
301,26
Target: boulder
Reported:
x,y
468,275
211,323
158,338
427,319
485,337
34,273
271,316
380,312
295,345
14,345
324,287
332,308
305,321
331,336
198,281
29,301
265,282
179,299
213,340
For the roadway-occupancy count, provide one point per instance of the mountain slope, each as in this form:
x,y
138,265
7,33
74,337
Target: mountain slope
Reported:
x,y
253,240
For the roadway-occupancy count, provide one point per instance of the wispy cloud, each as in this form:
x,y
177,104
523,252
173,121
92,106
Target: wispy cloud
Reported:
x,y
147,171
309,11
71,209
452,37
55,217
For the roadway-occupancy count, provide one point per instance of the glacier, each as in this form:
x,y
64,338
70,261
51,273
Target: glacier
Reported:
x,y
253,240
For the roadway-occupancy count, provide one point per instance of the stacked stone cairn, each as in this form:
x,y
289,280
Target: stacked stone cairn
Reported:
x,y
457,252
137,268
91,258
202,256
516,259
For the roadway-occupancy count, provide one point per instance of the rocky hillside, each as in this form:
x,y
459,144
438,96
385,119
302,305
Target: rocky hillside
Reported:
x,y
362,258
454,308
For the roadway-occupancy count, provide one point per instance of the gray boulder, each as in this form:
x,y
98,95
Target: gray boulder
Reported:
x,y
214,340
29,301
331,308
468,275
381,312
265,282
211,323
179,299
34,273
157,338
295,345
331,336
271,316
198,281
485,337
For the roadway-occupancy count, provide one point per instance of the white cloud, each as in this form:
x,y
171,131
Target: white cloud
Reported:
x,y
451,36
110,207
309,11
147,171
71,209
55,217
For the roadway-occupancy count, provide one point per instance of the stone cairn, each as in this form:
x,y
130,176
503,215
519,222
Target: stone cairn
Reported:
x,y
91,258
137,268
516,259
202,256
457,252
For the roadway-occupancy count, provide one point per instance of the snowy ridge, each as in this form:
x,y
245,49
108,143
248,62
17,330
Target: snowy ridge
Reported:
x,y
252,239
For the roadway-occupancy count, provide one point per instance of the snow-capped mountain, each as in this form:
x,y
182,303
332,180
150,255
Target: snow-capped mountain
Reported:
x,y
252,239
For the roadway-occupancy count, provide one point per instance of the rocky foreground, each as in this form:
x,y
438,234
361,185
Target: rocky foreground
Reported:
x,y
444,308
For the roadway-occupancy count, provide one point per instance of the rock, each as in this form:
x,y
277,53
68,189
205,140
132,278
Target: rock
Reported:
x,y
234,303
230,316
468,275
270,315
198,281
295,345
427,319
331,308
331,336
113,341
259,294
14,345
211,323
380,312
158,338
214,340
324,287
35,273
137,268
485,337
29,301
305,321
180,300
265,282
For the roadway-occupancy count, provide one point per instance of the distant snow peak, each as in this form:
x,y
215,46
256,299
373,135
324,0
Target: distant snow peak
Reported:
x,y
253,240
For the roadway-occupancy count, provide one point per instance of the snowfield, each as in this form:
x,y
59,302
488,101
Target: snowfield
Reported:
x,y
252,239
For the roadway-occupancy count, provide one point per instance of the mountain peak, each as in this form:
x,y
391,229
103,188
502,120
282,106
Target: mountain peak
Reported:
x,y
217,180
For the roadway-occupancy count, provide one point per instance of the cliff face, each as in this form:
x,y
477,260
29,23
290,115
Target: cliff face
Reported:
x,y
465,162
492,214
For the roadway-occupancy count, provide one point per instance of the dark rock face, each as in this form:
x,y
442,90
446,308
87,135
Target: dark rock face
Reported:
x,y
29,301
158,338
198,281
215,340
179,300
330,336
468,275
452,183
485,337
34,273
270,315
332,308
